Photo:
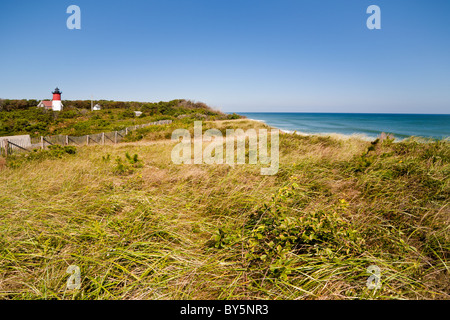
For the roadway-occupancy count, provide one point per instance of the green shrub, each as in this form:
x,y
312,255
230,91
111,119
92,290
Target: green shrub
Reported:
x,y
128,165
58,151
68,114
122,168
234,116
53,152
133,136
278,230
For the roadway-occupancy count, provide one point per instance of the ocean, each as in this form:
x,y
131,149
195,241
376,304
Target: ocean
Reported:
x,y
370,125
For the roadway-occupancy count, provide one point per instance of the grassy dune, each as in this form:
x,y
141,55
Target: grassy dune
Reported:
x,y
146,228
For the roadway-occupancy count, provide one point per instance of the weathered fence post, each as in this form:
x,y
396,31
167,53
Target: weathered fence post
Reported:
x,y
6,142
103,138
42,142
126,131
87,140
67,140
115,137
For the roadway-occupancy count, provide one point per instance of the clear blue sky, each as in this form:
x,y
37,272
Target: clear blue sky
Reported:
x,y
235,55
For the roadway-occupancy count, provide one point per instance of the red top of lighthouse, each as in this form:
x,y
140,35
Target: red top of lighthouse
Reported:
x,y
57,94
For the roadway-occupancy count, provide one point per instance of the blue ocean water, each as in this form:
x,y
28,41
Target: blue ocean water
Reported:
x,y
368,124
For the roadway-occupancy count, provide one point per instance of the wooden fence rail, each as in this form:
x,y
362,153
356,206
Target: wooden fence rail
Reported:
x,y
8,147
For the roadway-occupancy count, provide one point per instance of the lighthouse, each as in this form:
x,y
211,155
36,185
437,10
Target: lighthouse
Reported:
x,y
56,101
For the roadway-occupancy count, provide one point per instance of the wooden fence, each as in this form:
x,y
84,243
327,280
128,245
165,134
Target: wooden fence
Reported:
x,y
14,144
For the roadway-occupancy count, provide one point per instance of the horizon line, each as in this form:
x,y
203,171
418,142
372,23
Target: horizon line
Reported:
x,y
327,112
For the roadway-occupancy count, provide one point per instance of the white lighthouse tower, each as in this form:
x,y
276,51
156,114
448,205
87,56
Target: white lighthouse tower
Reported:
x,y
56,102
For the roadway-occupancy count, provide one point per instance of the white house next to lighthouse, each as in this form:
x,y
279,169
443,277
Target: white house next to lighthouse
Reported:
x,y
55,104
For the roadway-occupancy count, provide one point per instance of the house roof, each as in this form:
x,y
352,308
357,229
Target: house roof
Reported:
x,y
47,103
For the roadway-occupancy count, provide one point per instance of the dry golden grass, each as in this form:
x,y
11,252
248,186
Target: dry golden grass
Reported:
x,y
150,233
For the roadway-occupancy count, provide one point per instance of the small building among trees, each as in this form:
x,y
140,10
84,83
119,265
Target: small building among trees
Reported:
x,y
55,104
45,104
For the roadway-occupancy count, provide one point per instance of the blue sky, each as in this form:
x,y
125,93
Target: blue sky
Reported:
x,y
246,55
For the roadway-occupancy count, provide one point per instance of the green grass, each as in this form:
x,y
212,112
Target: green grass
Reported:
x,y
166,231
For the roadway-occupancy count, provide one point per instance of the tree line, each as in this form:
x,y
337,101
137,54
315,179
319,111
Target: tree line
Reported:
x,y
24,117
